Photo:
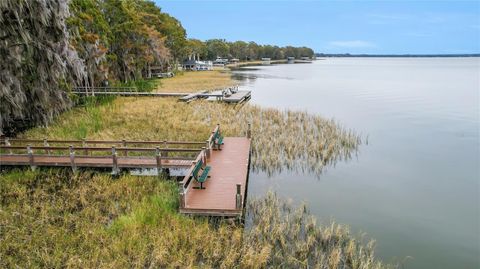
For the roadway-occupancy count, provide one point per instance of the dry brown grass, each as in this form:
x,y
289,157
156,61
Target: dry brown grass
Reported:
x,y
58,219
281,139
194,81
55,219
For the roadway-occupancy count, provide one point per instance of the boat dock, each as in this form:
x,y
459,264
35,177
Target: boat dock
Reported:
x,y
225,181
236,96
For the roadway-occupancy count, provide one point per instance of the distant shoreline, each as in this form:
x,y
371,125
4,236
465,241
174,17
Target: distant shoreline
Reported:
x,y
397,55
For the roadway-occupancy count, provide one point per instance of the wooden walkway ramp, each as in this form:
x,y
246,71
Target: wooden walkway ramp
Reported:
x,y
225,190
117,155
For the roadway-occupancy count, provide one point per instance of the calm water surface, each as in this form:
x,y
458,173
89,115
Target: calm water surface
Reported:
x,y
415,186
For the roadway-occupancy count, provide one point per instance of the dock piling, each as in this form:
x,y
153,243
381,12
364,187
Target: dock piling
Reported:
x,y
158,157
45,144
30,157
124,144
72,159
238,197
7,143
208,148
84,144
114,161
181,192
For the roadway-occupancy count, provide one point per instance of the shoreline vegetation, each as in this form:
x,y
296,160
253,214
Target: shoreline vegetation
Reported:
x,y
55,218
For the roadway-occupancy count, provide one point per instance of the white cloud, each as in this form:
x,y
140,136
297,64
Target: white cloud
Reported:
x,y
352,44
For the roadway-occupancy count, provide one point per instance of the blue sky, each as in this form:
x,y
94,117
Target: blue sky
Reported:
x,y
382,27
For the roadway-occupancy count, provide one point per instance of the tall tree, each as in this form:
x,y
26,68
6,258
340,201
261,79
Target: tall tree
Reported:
x,y
90,33
176,36
38,63
217,48
198,47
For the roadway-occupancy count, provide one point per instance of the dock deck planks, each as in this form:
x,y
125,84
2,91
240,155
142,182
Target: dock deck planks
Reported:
x,y
229,166
238,97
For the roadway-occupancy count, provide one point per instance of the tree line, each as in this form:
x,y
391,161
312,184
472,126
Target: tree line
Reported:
x,y
244,51
48,47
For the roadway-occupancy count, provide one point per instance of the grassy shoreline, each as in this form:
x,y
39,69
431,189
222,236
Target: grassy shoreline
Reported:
x,y
196,81
53,218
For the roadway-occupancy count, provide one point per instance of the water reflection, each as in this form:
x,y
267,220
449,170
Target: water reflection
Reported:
x,y
419,175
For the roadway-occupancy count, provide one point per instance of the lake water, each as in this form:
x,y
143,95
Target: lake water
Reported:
x,y
415,186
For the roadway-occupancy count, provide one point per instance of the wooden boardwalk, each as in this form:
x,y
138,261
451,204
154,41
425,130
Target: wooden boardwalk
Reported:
x,y
151,155
225,190
138,94
229,169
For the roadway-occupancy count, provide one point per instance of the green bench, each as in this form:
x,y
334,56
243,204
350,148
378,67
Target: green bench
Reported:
x,y
200,173
217,140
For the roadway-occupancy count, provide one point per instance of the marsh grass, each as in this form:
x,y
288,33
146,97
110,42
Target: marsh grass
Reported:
x,y
191,81
52,218
289,140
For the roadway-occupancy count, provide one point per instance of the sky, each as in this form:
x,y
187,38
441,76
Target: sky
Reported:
x,y
372,27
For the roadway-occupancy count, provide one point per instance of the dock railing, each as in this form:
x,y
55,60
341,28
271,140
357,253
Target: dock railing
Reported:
x,y
204,155
52,152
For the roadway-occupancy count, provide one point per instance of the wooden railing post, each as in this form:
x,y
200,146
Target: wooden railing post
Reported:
x,y
181,195
7,143
124,144
249,130
208,148
30,157
45,144
165,145
158,157
203,156
84,144
114,161
72,159
238,197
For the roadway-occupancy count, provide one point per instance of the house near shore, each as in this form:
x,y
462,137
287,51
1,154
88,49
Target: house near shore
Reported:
x,y
291,60
266,60
159,72
195,65
220,61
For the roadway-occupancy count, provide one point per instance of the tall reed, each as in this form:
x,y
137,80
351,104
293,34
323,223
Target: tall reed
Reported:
x,y
292,140
52,218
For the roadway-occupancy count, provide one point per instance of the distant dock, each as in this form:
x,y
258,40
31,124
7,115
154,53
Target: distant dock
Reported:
x,y
237,96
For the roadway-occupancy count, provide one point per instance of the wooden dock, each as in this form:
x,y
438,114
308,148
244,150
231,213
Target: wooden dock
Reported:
x,y
238,97
192,96
225,190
